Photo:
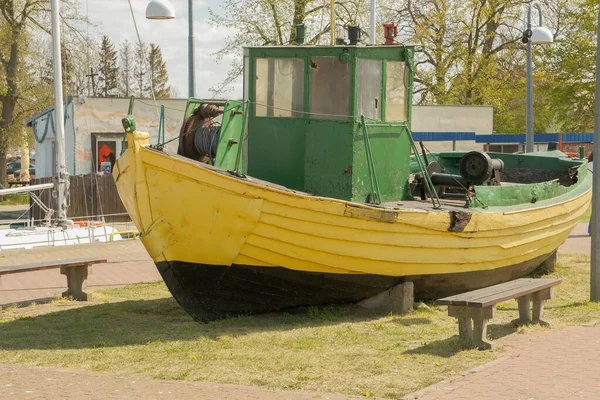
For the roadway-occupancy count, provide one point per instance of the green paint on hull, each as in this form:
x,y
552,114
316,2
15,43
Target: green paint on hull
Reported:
x,y
542,176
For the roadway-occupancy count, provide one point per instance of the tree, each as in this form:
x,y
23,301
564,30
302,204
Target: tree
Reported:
x,y
159,77
566,74
18,23
108,71
126,69
472,54
272,23
140,70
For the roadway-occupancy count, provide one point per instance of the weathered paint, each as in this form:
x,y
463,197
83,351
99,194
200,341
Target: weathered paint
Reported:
x,y
550,166
232,130
256,224
326,157
98,115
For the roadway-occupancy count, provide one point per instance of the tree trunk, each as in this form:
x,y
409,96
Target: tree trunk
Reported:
x,y
8,105
299,16
3,169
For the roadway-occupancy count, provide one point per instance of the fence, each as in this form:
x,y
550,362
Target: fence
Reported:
x,y
89,196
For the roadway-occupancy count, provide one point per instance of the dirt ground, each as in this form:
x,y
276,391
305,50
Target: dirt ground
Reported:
x,y
18,381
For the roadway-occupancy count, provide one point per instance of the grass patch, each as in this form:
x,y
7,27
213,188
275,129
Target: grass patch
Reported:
x,y
15,199
140,329
586,217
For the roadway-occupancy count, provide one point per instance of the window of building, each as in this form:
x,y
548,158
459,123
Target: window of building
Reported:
x,y
369,88
279,89
396,92
329,88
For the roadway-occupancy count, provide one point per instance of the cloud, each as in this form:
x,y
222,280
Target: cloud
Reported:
x,y
113,18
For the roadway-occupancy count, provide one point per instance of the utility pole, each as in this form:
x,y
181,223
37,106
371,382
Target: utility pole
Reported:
x,y
191,57
529,100
92,75
595,265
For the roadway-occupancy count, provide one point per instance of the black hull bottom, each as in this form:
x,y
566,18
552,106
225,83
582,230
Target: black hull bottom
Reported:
x,y
209,292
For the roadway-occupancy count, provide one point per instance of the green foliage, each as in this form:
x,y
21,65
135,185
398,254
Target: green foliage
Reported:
x,y
15,199
108,70
126,68
158,73
568,69
141,84
271,23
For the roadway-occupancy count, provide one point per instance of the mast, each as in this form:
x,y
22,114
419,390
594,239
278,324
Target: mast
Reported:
x,y
62,176
373,18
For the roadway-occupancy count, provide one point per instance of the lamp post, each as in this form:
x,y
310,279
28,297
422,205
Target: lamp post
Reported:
x,y
595,267
163,9
372,21
62,176
539,35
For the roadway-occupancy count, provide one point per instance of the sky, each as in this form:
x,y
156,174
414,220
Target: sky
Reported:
x,y
113,18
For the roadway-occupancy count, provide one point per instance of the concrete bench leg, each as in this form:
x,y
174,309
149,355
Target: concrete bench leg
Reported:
x,y
472,325
538,303
76,282
465,326
480,322
524,309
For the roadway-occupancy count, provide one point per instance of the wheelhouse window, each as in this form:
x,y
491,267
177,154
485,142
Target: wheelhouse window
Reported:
x,y
329,88
396,92
369,88
279,88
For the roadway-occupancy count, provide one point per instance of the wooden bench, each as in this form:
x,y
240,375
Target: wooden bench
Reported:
x,y
76,270
474,309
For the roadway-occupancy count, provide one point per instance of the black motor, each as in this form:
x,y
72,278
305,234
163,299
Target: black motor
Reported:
x,y
478,168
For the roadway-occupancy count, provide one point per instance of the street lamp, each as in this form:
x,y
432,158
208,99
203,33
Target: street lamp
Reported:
x,y
539,35
163,9
595,267
160,9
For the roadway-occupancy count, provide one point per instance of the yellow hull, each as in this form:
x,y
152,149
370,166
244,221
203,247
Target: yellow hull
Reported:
x,y
193,213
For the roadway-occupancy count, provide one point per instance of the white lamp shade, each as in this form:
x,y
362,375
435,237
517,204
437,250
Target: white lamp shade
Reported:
x,y
541,35
160,9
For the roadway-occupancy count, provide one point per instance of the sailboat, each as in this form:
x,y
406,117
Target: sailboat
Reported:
x,y
58,229
312,191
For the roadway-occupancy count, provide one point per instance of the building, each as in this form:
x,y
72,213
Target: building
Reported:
x,y
93,130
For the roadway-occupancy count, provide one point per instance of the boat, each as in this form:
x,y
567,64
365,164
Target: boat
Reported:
x,y
312,191
56,229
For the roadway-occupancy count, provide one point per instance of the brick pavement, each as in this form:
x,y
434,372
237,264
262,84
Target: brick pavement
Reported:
x,y
578,242
128,262
562,364
25,382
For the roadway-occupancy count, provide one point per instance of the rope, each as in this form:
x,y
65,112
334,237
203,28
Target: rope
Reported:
x,y
426,178
376,193
206,140
310,113
137,32
161,125
168,108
